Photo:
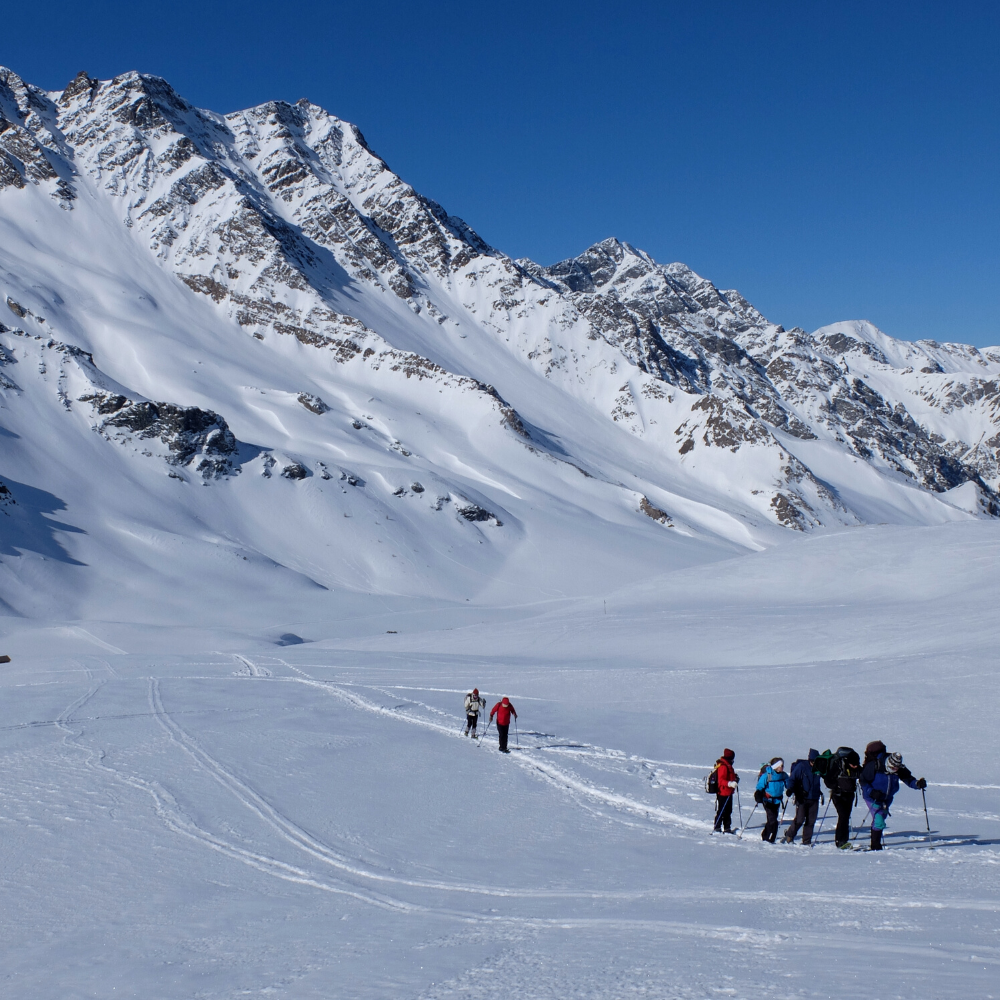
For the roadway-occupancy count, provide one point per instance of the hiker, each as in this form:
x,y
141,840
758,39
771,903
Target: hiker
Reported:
x,y
473,703
805,786
842,780
726,781
503,710
772,783
880,778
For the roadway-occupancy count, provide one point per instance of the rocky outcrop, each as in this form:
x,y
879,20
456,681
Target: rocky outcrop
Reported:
x,y
196,438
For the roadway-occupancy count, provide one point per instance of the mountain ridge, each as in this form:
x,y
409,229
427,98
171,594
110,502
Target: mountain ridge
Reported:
x,y
264,280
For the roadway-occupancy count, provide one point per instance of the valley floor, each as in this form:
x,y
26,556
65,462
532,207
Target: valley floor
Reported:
x,y
217,816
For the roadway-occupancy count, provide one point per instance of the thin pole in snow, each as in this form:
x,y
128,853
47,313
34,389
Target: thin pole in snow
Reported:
x,y
750,817
829,798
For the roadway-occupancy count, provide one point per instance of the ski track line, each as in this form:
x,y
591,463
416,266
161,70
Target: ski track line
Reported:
x,y
255,671
550,772
756,936
173,817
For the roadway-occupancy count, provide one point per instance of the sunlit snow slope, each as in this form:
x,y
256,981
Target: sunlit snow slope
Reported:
x,y
239,352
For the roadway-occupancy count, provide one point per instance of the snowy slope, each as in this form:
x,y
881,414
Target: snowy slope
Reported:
x,y
316,338
198,813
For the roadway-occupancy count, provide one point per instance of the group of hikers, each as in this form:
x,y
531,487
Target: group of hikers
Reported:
x,y
843,772
502,711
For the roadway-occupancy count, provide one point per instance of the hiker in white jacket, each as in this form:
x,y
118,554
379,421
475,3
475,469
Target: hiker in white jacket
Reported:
x,y
473,703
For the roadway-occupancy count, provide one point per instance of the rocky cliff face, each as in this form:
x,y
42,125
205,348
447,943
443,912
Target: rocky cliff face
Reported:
x,y
276,239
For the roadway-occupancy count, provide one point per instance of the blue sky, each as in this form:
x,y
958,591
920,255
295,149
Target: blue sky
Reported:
x,y
831,161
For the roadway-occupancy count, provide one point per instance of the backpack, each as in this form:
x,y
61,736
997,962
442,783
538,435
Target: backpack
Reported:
x,y
846,767
712,781
821,765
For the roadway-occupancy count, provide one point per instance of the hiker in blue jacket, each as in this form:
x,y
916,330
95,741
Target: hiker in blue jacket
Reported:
x,y
805,786
771,786
880,778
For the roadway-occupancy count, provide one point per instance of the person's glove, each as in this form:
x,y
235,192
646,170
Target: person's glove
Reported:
x,y
732,784
921,783
877,796
737,779
758,796
822,801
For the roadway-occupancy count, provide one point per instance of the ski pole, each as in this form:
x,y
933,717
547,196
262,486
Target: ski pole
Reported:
x,y
750,817
923,792
715,824
738,805
871,812
516,737
485,731
823,820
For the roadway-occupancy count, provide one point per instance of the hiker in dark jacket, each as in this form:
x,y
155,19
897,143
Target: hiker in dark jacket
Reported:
x,y
880,778
805,786
771,786
842,780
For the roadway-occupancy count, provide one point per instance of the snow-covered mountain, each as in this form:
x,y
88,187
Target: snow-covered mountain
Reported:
x,y
240,352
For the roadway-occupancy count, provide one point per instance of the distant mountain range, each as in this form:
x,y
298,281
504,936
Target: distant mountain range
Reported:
x,y
240,352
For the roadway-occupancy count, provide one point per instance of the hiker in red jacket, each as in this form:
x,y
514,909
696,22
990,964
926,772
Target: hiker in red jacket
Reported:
x,y
728,780
503,710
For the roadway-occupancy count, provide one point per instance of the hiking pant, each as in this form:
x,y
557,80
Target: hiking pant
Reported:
x,y
502,730
771,826
805,816
723,812
470,723
843,807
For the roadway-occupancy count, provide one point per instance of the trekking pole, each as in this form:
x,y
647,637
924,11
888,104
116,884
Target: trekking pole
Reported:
x,y
715,824
823,820
923,792
485,731
517,738
871,812
750,817
738,805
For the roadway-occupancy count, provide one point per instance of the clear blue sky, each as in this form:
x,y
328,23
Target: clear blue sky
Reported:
x,y
830,160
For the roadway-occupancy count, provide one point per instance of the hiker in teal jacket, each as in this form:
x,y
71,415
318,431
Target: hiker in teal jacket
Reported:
x,y
771,786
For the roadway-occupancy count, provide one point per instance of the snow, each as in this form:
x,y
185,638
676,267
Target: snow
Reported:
x,y
195,804
200,812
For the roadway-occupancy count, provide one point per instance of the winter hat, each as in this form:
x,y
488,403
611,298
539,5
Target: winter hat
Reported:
x,y
475,690
893,762
874,749
729,755
505,700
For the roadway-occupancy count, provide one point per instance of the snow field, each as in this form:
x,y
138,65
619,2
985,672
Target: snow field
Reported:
x,y
308,821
